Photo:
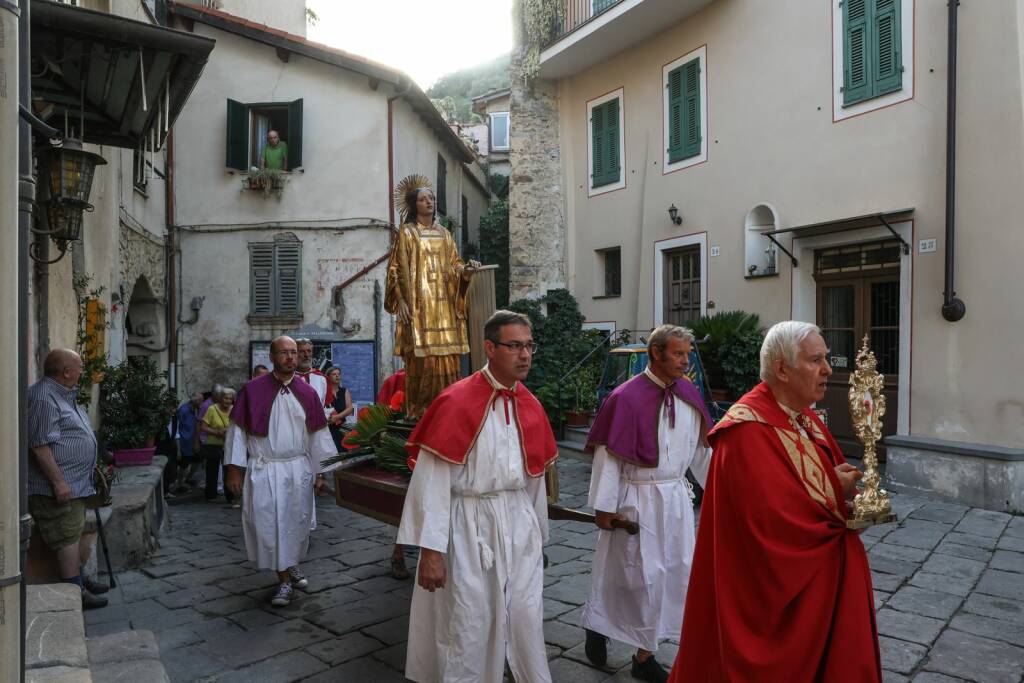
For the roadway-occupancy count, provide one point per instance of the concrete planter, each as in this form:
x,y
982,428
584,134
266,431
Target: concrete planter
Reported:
x,y
129,457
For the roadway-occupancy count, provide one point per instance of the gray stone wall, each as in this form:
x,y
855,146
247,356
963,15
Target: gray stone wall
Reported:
x,y
537,227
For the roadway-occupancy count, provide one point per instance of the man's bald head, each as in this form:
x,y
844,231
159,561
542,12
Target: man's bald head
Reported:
x,y
281,342
63,366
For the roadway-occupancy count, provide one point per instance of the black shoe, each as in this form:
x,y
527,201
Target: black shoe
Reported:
x,y
90,601
649,670
596,648
94,587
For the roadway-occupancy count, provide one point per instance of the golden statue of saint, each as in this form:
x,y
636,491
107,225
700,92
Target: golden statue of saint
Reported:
x,y
426,291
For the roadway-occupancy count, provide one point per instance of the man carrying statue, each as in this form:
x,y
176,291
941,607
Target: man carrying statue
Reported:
x,y
426,291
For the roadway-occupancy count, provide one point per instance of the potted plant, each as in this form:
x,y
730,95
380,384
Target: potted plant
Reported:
x,y
267,180
583,393
719,329
134,405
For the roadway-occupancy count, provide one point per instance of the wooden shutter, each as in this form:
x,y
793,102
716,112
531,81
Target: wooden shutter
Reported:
x,y
601,5
294,135
691,109
442,186
613,136
674,93
288,265
856,50
237,156
261,278
597,145
887,67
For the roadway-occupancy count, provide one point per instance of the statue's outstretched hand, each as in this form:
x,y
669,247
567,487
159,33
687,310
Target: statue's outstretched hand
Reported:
x,y
403,312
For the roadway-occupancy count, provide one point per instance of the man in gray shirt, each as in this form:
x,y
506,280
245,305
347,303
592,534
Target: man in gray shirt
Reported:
x,y
63,448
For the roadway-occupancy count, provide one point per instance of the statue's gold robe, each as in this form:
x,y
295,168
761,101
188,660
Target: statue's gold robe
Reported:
x,y
425,271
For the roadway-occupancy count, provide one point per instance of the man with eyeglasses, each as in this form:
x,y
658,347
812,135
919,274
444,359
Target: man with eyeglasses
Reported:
x,y
649,432
477,508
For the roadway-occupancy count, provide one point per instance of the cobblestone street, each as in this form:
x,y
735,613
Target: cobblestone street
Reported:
x,y
949,586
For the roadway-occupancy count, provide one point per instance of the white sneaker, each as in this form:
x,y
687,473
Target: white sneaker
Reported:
x,y
283,597
299,579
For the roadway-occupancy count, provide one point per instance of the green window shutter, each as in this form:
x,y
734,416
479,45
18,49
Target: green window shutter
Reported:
x,y
856,51
294,135
691,109
613,138
887,67
601,5
597,144
674,93
288,266
441,200
261,276
238,136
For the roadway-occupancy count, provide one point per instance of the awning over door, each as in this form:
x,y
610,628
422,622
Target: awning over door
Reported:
x,y
125,80
871,220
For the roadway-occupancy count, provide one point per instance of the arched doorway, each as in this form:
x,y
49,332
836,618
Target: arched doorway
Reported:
x,y
143,321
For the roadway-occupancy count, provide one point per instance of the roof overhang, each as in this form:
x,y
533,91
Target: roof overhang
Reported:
x,y
870,220
125,80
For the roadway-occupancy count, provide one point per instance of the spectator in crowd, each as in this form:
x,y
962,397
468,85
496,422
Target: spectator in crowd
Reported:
x,y
59,477
307,372
275,153
215,426
188,423
339,400
259,370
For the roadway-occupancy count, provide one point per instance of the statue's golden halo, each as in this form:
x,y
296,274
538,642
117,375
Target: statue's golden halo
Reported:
x,y
409,182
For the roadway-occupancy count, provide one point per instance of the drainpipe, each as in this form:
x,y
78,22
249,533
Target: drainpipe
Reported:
x,y
170,267
953,309
400,92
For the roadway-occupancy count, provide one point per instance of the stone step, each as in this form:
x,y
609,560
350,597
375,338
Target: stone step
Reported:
x,y
55,649
577,434
126,656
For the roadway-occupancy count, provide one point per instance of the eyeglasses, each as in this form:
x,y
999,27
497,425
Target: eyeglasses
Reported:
x,y
517,347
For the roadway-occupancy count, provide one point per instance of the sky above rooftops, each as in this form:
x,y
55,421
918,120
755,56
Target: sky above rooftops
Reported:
x,y
424,38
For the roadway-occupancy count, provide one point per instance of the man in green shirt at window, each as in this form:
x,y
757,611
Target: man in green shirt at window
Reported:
x,y
275,154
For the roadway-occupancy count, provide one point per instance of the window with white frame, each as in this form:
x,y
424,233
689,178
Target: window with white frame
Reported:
x,y
499,130
606,154
685,110
872,55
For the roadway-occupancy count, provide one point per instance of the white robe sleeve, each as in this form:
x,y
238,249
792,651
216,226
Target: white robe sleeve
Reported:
x,y
701,463
321,447
235,447
537,489
605,475
426,515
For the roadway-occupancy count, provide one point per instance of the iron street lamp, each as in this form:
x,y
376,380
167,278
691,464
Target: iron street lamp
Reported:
x,y
69,170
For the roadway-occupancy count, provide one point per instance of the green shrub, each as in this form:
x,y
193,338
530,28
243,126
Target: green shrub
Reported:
x,y
134,403
719,328
740,356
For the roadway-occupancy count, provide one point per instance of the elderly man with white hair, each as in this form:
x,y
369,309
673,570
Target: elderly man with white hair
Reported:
x,y
780,588
649,431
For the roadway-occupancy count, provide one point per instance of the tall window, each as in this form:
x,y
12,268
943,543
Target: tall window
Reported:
x,y
610,268
499,130
872,54
685,110
247,128
275,277
606,153
442,186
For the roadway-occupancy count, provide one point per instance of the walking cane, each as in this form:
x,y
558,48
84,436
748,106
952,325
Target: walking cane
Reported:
x,y
103,544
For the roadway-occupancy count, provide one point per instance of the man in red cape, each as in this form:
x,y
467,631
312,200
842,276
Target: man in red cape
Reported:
x,y
477,509
780,589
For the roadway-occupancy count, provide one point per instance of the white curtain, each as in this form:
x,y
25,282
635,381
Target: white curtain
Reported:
x,y
261,125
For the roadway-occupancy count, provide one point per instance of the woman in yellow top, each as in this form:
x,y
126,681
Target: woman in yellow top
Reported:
x,y
215,426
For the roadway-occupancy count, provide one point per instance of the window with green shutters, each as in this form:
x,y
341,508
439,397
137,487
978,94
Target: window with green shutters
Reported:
x,y
248,124
605,143
872,49
597,6
275,277
684,124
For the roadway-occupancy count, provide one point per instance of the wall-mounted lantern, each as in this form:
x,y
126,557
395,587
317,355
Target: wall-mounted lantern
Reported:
x,y
69,172
673,214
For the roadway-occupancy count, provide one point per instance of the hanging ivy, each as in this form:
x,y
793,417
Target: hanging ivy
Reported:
x,y
541,21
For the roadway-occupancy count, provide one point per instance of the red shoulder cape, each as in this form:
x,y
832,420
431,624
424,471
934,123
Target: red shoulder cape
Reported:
x,y
780,590
451,425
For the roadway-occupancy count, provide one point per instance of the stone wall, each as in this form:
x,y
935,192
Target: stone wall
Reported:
x,y
537,225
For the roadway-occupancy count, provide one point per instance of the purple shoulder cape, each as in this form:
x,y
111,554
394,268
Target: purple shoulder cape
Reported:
x,y
627,424
254,401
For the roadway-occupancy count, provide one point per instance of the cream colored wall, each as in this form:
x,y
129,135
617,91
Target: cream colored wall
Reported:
x,y
771,139
286,15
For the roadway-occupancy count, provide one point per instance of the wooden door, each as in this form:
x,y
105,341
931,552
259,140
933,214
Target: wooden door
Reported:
x,y
858,294
682,286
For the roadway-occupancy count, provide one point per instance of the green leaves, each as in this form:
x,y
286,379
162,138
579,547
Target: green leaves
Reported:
x,y
134,403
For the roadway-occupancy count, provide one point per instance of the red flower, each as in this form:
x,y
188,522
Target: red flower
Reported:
x,y
397,400
346,443
410,462
362,412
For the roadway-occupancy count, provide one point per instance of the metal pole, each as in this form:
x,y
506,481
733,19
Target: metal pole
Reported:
x,y
953,309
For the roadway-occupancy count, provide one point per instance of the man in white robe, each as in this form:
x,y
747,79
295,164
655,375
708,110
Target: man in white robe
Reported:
x,y
477,508
277,438
638,588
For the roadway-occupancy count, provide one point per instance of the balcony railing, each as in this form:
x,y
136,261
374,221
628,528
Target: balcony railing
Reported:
x,y
576,13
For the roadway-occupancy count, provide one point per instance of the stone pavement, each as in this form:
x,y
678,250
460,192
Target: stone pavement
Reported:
x,y
949,586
